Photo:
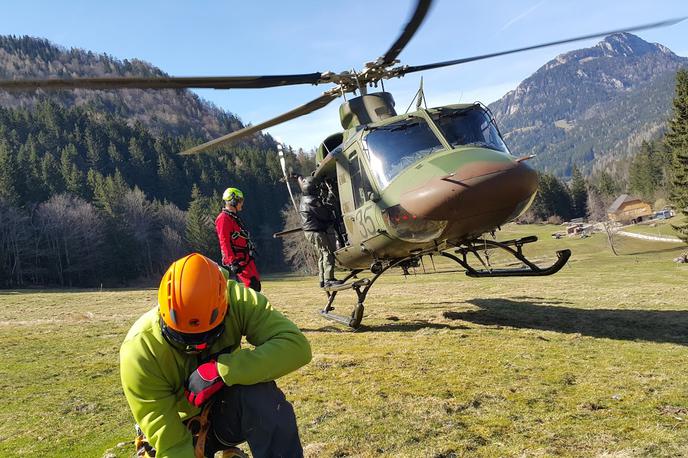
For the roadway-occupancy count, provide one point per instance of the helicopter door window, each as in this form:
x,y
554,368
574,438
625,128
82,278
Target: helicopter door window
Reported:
x,y
469,127
359,182
395,147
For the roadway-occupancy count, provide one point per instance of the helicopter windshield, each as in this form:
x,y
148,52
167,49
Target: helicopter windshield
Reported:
x,y
469,127
394,147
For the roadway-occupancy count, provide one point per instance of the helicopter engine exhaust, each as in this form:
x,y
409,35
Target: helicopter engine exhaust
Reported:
x,y
366,109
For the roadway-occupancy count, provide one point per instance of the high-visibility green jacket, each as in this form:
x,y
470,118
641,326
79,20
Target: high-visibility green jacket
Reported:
x,y
153,372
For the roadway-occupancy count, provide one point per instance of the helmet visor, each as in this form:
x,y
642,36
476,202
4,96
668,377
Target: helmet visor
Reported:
x,y
192,343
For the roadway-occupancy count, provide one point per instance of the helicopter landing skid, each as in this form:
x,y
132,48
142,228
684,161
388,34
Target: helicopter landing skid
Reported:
x,y
529,268
363,285
361,288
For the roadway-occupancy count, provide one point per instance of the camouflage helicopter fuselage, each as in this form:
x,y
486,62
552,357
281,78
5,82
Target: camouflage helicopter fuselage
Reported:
x,y
421,182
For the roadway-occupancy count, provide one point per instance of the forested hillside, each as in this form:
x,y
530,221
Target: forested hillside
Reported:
x,y
92,189
591,107
173,112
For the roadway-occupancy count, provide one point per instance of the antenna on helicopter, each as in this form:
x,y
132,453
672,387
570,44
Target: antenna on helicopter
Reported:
x,y
419,98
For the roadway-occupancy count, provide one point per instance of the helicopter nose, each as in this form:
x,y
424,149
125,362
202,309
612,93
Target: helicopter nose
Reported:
x,y
476,189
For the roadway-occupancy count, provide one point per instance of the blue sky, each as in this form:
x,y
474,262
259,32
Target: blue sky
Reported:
x,y
212,37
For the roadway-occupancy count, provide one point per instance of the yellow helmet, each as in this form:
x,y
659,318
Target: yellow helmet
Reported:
x,y
192,297
233,196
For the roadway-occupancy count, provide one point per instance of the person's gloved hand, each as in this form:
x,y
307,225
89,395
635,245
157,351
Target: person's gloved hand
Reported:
x,y
235,267
203,383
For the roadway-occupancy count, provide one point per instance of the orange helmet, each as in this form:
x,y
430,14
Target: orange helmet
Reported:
x,y
192,296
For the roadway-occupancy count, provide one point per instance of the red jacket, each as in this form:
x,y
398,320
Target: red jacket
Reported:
x,y
235,241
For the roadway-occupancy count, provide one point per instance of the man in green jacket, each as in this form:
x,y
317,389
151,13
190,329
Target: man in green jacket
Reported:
x,y
187,351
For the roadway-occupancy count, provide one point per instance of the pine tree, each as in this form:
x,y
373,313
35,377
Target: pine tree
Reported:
x,y
9,176
579,194
552,200
676,141
607,186
645,172
200,227
50,174
71,174
169,177
108,191
94,149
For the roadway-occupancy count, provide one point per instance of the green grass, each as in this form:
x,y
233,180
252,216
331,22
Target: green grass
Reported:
x,y
588,362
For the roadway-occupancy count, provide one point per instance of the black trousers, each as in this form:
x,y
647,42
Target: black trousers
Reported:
x,y
258,414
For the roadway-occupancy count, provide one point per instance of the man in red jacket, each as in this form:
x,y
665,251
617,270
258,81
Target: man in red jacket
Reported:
x,y
235,243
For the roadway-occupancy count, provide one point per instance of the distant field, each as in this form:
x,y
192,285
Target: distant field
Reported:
x,y
586,363
659,227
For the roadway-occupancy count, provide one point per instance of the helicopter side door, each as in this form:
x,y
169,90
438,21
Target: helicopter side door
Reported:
x,y
358,211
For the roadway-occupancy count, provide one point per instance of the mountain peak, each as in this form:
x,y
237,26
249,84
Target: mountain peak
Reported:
x,y
627,44
591,104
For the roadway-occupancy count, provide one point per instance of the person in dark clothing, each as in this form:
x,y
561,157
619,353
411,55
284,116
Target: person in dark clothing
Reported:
x,y
316,219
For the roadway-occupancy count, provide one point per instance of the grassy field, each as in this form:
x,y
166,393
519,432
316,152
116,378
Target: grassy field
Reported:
x,y
588,362
661,228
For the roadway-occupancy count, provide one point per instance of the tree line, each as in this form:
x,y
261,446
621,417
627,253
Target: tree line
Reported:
x,y
87,199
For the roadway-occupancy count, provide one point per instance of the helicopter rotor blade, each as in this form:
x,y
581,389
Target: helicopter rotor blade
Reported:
x,y
412,26
309,107
419,68
213,82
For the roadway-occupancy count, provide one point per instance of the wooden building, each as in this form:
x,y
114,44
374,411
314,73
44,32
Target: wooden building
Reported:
x,y
629,210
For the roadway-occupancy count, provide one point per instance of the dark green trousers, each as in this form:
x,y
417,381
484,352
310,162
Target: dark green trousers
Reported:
x,y
323,244
258,414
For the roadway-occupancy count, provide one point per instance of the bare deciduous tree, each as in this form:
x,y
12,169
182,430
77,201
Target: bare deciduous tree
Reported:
x,y
611,235
70,235
138,216
597,206
15,244
298,252
172,244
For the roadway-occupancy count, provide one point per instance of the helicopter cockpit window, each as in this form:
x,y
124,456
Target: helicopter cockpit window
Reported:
x,y
469,127
394,147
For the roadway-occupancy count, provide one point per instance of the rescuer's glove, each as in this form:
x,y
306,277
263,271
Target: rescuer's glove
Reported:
x,y
235,267
203,383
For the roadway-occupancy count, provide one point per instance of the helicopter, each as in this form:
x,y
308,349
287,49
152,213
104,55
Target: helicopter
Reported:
x,y
429,182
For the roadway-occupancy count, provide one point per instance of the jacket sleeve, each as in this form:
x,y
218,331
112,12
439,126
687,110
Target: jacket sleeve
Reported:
x,y
303,210
223,227
153,402
323,213
280,347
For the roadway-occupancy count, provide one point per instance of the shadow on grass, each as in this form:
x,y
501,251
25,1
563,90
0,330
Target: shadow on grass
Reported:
x,y
390,327
677,249
649,325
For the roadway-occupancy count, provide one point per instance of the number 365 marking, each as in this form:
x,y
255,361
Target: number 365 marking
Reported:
x,y
364,220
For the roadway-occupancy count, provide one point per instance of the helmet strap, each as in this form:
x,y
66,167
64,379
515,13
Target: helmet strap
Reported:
x,y
189,349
